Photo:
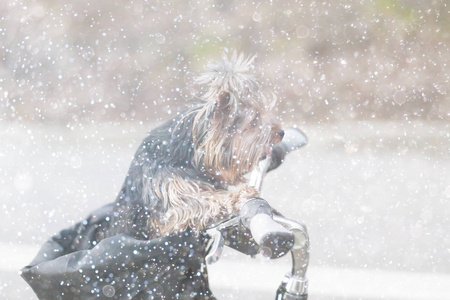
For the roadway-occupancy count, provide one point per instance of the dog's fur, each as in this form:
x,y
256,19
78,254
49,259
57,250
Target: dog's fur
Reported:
x,y
181,172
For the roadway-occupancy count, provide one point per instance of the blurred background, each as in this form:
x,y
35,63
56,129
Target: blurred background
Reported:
x,y
81,82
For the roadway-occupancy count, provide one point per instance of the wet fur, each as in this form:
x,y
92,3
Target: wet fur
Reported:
x,y
181,172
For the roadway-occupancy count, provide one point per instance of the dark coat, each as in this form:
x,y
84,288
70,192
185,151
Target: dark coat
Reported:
x,y
81,263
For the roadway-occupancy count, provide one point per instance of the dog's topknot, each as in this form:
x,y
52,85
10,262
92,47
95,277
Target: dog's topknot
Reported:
x,y
230,74
233,74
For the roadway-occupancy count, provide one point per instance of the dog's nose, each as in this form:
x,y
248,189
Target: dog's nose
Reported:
x,y
281,133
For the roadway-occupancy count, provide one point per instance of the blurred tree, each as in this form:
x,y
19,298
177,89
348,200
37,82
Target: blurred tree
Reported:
x,y
88,61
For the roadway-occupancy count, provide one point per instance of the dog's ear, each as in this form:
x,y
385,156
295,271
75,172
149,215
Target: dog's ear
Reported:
x,y
223,105
224,101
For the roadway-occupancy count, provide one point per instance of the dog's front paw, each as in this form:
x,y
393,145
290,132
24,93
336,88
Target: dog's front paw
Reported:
x,y
244,194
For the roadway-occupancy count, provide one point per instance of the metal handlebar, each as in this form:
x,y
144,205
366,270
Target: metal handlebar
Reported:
x,y
266,228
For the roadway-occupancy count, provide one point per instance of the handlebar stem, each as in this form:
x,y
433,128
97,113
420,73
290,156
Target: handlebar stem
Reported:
x,y
257,175
295,285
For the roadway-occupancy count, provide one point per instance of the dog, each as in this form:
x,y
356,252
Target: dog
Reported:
x,y
189,172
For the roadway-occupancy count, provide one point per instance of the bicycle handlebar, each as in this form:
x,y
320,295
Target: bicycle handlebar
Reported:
x,y
274,234
256,214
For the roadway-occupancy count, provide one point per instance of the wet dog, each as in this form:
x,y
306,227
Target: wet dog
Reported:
x,y
182,172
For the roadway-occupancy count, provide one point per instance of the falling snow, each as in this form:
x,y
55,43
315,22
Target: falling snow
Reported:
x,y
82,82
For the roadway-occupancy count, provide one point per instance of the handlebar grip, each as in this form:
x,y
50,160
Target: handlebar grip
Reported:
x,y
274,240
293,139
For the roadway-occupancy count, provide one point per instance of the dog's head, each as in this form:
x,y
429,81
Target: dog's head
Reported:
x,y
235,127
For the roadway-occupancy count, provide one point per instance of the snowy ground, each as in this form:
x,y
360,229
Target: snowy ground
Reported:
x,y
375,198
